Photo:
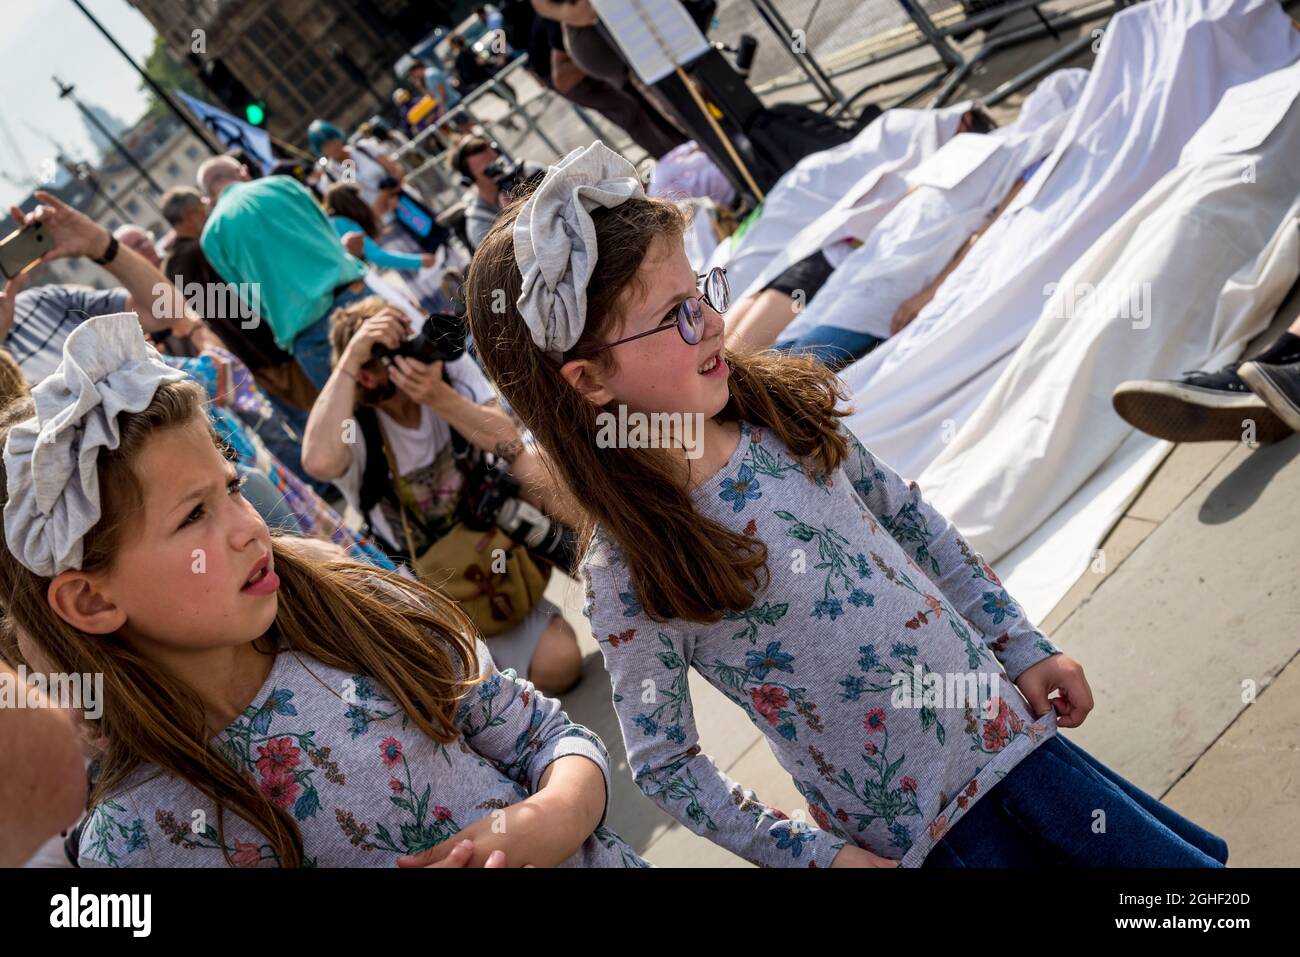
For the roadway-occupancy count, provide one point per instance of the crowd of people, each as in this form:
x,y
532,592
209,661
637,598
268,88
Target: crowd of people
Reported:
x,y
299,518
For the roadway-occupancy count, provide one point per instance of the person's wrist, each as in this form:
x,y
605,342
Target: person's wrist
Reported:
x,y
350,363
102,247
439,396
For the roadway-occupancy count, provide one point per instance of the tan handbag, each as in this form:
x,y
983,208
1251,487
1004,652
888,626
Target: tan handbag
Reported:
x,y
493,579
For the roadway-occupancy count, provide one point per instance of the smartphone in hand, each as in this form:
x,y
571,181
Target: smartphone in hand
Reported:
x,y
23,247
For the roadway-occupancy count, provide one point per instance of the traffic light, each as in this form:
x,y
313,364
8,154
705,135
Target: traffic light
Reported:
x,y
229,90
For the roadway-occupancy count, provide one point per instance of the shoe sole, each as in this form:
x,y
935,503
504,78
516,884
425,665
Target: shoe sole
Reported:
x,y
1276,400
1179,414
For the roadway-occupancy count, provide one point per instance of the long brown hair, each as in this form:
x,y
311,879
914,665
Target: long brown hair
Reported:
x,y
682,565
344,199
407,637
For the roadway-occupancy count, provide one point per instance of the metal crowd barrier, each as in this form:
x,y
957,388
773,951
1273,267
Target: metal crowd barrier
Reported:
x,y
900,29
427,157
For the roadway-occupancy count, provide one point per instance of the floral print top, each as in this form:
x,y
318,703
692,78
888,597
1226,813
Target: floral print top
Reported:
x,y
363,783
878,662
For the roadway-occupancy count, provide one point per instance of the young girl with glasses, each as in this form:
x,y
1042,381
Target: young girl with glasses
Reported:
x,y
896,681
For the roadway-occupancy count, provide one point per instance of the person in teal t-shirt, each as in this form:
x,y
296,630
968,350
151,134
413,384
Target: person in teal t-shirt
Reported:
x,y
271,234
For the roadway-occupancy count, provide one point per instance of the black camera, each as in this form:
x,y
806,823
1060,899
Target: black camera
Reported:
x,y
491,497
504,173
509,176
442,339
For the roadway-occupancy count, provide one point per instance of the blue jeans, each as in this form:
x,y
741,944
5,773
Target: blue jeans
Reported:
x,y
311,347
832,346
1042,814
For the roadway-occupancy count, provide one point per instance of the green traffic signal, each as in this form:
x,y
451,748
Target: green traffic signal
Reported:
x,y
255,113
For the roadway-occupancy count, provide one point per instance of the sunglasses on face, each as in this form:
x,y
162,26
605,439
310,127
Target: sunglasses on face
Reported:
x,y
688,317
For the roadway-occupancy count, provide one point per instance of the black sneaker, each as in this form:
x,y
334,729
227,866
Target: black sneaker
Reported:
x,y
1278,386
1199,407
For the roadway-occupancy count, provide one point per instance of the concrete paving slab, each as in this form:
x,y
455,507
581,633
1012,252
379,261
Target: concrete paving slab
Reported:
x,y
1209,600
1126,536
1246,787
757,770
1185,468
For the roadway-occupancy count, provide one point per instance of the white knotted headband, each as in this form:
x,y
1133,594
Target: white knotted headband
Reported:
x,y
555,241
51,460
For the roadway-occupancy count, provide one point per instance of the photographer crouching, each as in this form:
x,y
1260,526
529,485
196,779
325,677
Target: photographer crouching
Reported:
x,y
409,430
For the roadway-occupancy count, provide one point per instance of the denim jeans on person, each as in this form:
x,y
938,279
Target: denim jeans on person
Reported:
x,y
311,348
1060,807
832,346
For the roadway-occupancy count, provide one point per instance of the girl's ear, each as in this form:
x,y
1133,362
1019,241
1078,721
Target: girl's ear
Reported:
x,y
586,379
78,600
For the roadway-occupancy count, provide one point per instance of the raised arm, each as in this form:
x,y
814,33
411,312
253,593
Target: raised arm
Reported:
x,y
326,453
151,296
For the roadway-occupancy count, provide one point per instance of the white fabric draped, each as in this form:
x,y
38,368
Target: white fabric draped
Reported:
x,y
810,203
1184,281
917,237
1163,67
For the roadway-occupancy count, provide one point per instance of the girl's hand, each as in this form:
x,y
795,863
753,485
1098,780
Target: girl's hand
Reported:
x,y
460,856
851,856
1063,674
521,829
355,243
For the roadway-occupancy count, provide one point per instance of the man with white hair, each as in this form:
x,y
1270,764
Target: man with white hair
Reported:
x,y
272,234
141,240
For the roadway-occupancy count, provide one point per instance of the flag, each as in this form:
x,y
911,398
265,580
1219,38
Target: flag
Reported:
x,y
232,132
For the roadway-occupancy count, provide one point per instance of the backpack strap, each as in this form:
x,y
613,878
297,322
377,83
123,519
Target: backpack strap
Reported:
x,y
376,483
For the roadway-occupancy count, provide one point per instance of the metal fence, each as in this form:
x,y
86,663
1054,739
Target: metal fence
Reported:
x,y
811,50
815,46
542,126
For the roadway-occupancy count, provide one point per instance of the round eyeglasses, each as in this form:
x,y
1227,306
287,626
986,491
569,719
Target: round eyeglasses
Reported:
x,y
688,317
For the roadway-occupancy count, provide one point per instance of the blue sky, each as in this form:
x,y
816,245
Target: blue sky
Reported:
x,y
41,38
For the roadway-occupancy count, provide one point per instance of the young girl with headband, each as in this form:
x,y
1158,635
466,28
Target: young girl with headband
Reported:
x,y
896,681
261,709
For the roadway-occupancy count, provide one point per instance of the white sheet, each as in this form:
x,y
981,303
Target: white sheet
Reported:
x,y
868,168
948,201
1208,255
1163,67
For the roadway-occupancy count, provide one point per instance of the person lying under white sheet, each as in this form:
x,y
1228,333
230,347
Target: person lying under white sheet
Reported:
x,y
1190,274
1163,67
861,178
955,195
